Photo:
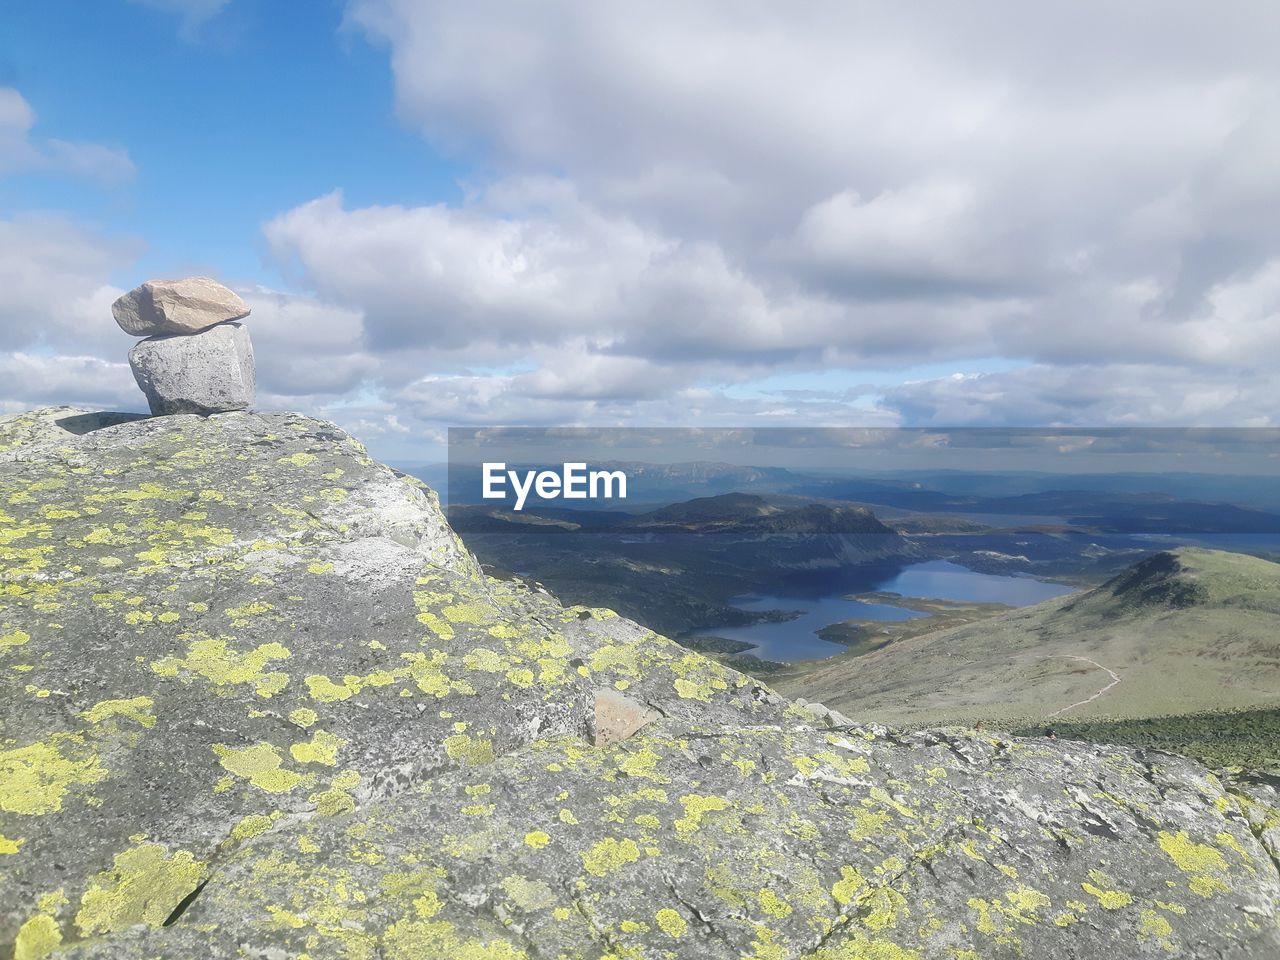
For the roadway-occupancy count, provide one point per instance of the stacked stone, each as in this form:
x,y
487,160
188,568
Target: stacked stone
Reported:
x,y
196,357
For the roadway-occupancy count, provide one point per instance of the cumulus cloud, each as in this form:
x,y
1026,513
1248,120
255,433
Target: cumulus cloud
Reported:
x,y
19,153
677,201
843,186
306,348
28,380
54,272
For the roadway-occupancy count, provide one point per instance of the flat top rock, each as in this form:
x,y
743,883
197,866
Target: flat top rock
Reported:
x,y
253,685
177,306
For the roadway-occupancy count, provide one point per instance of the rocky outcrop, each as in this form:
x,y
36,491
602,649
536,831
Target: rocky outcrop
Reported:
x,y
259,701
163,307
207,372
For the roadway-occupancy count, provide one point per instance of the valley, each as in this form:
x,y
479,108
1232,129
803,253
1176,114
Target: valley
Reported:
x,y
1076,619
1182,634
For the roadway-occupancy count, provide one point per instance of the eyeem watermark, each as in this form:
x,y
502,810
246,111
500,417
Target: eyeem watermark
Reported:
x,y
573,482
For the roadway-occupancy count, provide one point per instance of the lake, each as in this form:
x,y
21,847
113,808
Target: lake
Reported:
x,y
935,580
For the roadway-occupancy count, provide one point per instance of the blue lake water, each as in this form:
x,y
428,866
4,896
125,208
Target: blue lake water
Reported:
x,y
935,580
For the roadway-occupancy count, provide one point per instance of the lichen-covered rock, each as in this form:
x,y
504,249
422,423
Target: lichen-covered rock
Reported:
x,y
208,372
252,685
177,306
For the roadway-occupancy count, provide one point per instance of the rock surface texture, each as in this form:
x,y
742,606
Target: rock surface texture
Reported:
x,y
259,702
160,307
207,372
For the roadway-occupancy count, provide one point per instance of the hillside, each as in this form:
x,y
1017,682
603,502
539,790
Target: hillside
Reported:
x,y
256,701
1182,632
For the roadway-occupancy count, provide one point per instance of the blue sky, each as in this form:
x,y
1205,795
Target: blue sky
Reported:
x,y
672,213
249,114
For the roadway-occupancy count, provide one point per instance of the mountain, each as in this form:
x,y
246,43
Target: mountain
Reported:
x,y
257,700
724,508
1104,510
1181,632
750,515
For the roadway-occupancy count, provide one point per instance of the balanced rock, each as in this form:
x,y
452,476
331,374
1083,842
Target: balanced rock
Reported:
x,y
207,372
177,306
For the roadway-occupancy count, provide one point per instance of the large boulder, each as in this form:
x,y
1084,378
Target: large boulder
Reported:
x,y
177,306
257,700
207,372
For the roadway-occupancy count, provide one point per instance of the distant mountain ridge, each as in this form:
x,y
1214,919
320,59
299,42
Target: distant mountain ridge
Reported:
x,y
749,514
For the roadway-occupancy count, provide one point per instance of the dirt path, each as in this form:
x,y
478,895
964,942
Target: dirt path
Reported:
x,y
1115,678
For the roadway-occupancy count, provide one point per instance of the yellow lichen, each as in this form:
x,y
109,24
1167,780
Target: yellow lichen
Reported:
x,y
251,826
475,613
536,839
37,938
15,638
467,750
528,894
143,886
609,855
322,748
773,905
695,808
333,801
260,764
1109,899
326,691
1154,926
1205,863
137,709
34,779
643,764
670,922
210,658
1188,855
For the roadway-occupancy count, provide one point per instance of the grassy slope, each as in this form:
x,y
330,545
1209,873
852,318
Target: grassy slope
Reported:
x,y
1236,738
1187,632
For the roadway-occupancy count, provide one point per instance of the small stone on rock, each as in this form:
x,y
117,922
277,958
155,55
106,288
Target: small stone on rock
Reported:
x,y
619,717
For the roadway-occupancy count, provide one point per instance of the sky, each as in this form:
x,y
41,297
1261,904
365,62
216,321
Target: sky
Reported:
x,y
838,213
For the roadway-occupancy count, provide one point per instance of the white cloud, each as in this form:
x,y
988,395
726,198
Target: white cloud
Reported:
x,y
28,380
193,14
304,348
19,153
1092,395
492,282
54,272
845,185
16,120
678,198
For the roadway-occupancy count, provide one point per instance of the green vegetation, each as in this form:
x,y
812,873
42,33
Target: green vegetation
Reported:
x,y
1223,738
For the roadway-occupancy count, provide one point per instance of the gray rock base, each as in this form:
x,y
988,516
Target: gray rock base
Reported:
x,y
207,372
